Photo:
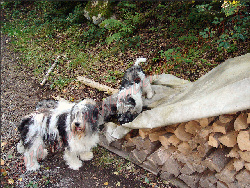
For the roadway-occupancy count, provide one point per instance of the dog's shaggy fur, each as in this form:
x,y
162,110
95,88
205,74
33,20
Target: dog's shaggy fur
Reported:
x,y
134,85
72,126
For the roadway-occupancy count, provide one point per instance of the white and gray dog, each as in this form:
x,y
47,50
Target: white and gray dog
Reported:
x,y
72,126
134,85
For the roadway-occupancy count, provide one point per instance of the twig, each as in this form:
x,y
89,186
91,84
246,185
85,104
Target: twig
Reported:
x,y
97,85
49,71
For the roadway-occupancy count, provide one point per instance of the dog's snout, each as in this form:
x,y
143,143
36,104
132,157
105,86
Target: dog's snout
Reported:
x,y
77,124
122,119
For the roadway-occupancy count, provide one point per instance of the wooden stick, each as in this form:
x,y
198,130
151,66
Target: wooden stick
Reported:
x,y
49,71
97,85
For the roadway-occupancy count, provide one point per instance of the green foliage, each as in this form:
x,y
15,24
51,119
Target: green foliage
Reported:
x,y
189,39
93,34
226,31
188,29
231,7
121,31
32,184
117,30
60,82
207,33
176,55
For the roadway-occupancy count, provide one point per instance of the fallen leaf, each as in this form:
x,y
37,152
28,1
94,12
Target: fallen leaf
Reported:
x,y
153,184
146,180
10,181
116,173
2,162
3,144
118,184
4,173
106,183
10,156
20,179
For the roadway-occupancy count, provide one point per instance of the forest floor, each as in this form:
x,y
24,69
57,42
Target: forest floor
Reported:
x,y
20,90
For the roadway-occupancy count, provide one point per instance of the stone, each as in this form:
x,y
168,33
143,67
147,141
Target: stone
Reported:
x,y
97,11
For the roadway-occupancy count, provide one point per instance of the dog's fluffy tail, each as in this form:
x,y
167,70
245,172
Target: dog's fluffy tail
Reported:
x,y
139,60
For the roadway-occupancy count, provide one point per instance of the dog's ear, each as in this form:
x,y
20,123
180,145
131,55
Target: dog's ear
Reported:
x,y
95,112
131,101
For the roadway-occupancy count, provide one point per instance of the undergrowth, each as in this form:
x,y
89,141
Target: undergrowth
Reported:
x,y
179,35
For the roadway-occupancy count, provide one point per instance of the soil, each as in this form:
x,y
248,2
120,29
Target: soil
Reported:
x,y
20,91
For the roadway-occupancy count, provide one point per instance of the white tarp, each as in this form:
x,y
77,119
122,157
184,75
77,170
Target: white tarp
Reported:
x,y
225,89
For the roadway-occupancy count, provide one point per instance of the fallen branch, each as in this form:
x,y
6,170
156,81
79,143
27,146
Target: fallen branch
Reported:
x,y
49,71
97,85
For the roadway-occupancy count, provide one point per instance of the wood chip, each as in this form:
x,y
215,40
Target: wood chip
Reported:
x,y
243,140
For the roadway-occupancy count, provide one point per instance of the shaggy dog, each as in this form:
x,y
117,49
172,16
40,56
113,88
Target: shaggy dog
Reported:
x,y
134,85
72,126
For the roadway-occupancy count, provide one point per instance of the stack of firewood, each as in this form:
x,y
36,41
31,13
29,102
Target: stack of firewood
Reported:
x,y
209,152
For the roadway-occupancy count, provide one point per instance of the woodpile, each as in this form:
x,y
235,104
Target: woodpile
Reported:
x,y
209,152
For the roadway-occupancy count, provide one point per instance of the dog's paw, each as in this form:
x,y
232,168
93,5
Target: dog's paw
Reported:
x,y
86,156
150,94
75,165
32,167
72,160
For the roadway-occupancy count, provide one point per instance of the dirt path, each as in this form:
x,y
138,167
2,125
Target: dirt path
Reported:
x,y
19,93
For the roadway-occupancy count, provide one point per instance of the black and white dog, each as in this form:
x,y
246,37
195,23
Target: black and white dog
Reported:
x,y
134,85
72,126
